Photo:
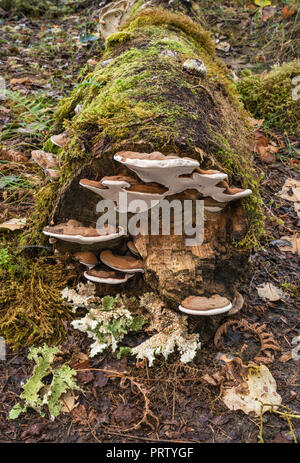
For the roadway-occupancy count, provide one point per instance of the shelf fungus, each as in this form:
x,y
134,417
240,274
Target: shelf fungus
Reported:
x,y
61,139
126,264
132,248
110,17
179,174
105,275
205,306
111,187
195,66
75,232
86,258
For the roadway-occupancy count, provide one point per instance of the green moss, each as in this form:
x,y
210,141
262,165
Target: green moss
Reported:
x,y
117,39
37,8
50,147
270,96
239,168
44,202
179,22
31,307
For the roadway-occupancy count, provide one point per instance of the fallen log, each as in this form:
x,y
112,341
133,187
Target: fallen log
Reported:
x,y
157,119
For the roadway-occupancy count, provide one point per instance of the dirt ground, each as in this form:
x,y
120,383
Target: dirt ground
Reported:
x,y
40,60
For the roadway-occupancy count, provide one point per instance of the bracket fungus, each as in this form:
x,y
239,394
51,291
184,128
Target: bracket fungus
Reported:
x,y
86,258
179,174
195,66
132,248
75,232
61,139
162,176
110,17
111,187
103,274
126,264
205,306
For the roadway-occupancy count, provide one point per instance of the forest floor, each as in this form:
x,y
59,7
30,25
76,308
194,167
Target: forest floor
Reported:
x,y
40,60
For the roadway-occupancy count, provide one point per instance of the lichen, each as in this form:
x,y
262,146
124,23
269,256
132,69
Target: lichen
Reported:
x,y
35,394
269,96
107,324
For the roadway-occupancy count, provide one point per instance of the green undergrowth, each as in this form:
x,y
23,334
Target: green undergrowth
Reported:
x,y
38,8
274,96
31,307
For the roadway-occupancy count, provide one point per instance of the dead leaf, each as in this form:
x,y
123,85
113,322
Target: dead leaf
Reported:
x,y
288,11
13,224
21,81
285,357
69,402
79,415
12,155
268,291
290,190
261,388
295,244
263,149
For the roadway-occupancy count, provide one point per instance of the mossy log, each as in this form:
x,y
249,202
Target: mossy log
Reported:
x,y
140,97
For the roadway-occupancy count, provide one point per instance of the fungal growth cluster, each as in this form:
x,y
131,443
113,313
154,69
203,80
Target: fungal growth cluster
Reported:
x,y
110,17
158,177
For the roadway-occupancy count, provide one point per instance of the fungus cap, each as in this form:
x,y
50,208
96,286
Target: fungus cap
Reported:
x,y
76,232
126,264
102,274
86,258
61,139
205,306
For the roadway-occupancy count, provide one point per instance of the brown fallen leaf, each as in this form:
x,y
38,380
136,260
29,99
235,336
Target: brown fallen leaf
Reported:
x,y
13,224
268,291
285,357
21,81
13,155
69,402
288,11
295,244
290,190
79,415
264,149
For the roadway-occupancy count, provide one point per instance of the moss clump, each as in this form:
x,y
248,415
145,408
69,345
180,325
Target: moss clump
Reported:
x,y
31,307
233,164
117,39
178,22
44,202
270,96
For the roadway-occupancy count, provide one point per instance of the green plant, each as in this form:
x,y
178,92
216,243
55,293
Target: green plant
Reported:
x,y
7,261
30,115
36,394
